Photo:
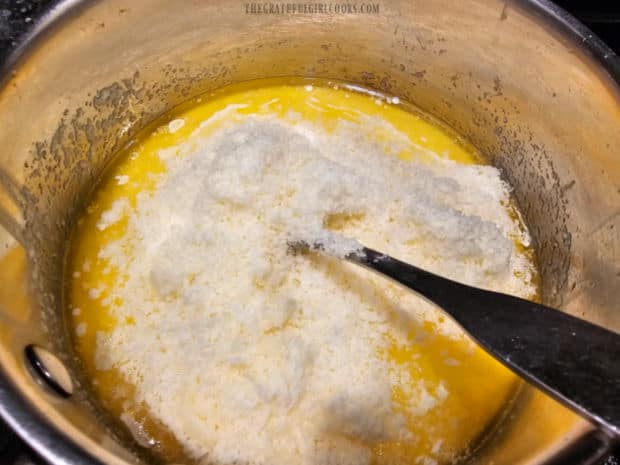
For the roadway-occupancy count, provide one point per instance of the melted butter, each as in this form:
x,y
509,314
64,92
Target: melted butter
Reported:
x,y
478,386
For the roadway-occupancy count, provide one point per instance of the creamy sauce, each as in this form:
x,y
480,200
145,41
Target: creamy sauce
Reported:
x,y
459,390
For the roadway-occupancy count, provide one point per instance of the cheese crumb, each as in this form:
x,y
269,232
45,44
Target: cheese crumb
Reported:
x,y
80,329
175,125
121,180
94,293
116,212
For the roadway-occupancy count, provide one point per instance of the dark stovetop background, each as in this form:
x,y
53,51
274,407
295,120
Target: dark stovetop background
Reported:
x,y
18,16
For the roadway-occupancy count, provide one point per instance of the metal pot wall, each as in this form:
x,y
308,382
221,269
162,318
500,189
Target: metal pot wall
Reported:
x,y
527,85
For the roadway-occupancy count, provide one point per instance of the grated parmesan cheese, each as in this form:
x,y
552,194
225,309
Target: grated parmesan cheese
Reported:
x,y
280,350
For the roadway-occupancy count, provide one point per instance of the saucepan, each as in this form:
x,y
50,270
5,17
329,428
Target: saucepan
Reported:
x,y
525,83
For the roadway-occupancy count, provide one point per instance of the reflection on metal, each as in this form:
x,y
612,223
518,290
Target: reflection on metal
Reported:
x,y
48,370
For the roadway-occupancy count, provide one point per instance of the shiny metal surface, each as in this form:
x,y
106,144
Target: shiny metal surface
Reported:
x,y
521,81
562,355
49,371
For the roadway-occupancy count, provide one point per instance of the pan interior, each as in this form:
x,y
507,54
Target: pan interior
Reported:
x,y
472,391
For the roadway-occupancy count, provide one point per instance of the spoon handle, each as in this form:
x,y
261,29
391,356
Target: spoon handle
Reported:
x,y
574,361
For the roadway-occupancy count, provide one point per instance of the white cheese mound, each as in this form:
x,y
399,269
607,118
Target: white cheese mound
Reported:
x,y
252,355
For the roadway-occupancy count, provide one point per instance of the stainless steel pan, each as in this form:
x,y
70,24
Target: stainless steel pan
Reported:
x,y
523,81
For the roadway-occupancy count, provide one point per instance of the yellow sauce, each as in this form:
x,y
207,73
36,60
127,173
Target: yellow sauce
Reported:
x,y
479,387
